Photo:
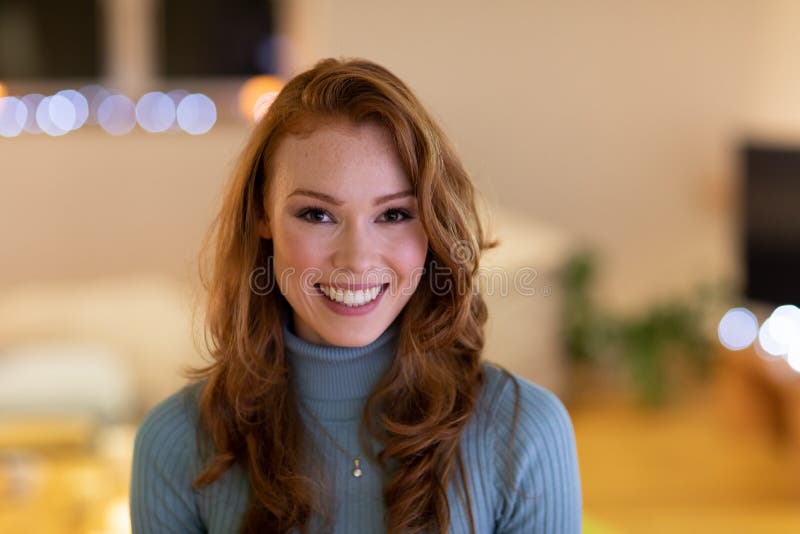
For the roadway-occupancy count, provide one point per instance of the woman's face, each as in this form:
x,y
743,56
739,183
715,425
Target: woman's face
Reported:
x,y
344,222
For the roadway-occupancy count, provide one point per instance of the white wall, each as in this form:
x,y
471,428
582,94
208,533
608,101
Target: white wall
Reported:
x,y
90,204
775,101
613,120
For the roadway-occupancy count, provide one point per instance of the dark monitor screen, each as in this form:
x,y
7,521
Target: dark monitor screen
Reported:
x,y
771,223
210,38
42,39
57,39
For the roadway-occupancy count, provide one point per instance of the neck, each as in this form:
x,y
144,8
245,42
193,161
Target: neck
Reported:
x,y
335,381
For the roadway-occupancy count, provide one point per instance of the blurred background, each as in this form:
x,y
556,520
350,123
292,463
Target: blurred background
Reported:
x,y
639,161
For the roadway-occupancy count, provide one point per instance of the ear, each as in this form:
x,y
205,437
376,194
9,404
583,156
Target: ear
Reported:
x,y
264,229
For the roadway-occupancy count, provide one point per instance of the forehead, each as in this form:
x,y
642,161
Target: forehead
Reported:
x,y
339,157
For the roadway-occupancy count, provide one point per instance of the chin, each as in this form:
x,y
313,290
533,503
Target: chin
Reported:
x,y
345,339
353,336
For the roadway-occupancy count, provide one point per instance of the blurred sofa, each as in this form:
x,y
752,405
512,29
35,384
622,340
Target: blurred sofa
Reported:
x,y
112,347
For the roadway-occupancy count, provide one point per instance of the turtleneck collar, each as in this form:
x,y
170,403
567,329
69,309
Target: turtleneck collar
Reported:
x,y
336,379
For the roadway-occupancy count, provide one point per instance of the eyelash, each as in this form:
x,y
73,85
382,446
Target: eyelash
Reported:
x,y
303,214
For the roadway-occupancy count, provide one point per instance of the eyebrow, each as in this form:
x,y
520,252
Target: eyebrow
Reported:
x,y
327,198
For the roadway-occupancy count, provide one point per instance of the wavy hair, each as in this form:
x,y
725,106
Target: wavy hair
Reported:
x,y
420,407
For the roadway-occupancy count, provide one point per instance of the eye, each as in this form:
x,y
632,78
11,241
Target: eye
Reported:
x,y
394,215
313,215
317,215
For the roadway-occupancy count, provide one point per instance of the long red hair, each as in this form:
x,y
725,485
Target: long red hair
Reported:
x,y
419,409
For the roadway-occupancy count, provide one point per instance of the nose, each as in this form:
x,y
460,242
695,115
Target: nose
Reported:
x,y
355,252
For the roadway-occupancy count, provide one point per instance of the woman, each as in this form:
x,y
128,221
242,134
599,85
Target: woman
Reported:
x,y
347,391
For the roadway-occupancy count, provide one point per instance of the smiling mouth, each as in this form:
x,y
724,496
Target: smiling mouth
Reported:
x,y
351,298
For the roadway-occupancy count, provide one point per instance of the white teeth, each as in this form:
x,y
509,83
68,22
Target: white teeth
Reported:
x,y
351,298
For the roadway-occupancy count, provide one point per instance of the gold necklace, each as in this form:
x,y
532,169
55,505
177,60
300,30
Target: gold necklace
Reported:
x,y
357,472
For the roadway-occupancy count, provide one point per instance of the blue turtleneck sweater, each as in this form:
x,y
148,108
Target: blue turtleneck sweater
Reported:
x,y
541,494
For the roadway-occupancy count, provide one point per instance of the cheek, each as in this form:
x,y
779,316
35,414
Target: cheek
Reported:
x,y
409,254
296,253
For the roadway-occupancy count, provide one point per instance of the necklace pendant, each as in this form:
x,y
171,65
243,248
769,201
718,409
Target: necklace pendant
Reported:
x,y
357,471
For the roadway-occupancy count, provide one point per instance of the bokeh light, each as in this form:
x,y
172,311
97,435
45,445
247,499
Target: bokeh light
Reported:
x,y
3,90
253,89
262,105
62,112
12,116
785,325
31,104
79,104
177,95
118,517
70,109
155,112
94,95
196,114
793,358
737,329
768,342
117,114
766,356
45,120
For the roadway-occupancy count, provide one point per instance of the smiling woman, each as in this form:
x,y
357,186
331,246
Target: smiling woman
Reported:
x,y
364,253
351,395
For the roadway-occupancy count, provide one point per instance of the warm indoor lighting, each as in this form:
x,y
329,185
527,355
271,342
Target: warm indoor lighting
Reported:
x,y
262,104
118,517
253,90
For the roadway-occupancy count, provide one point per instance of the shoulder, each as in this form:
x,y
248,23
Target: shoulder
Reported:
x,y
168,431
528,425
537,407
532,441
165,462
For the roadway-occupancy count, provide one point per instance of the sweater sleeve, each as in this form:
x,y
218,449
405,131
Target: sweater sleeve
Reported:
x,y
537,464
161,497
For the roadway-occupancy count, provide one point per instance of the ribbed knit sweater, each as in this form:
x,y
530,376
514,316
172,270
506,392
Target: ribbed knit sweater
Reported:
x,y
541,494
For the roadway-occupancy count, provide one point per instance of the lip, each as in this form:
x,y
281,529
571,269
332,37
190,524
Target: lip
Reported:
x,y
342,309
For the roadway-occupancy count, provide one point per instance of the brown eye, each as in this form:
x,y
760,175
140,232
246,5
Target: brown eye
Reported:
x,y
394,215
313,215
